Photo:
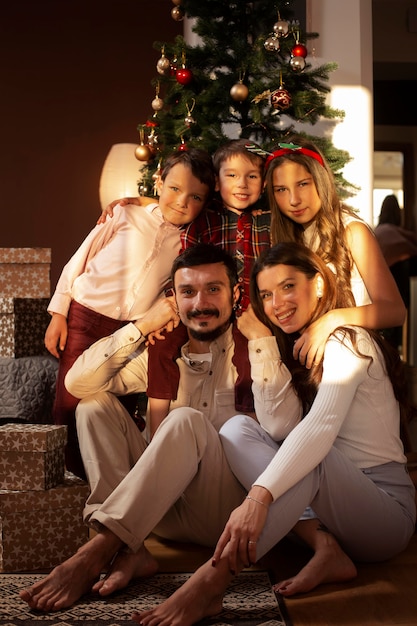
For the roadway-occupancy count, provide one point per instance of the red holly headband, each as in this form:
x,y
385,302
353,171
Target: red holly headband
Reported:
x,y
284,148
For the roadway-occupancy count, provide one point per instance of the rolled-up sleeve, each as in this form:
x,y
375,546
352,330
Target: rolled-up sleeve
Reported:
x,y
118,363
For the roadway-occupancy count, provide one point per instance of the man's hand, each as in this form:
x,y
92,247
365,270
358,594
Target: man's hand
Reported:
x,y
161,316
56,334
251,327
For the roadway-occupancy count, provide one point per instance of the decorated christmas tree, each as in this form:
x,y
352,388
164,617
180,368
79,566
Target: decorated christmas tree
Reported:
x,y
250,75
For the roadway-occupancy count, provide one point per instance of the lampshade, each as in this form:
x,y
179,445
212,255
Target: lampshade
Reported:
x,y
121,174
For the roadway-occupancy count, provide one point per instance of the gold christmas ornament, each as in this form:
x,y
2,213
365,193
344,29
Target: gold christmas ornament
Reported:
x,y
163,64
297,64
177,14
143,152
157,103
272,43
281,28
239,92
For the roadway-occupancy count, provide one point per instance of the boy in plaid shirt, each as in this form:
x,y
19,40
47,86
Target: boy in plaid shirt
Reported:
x,y
237,224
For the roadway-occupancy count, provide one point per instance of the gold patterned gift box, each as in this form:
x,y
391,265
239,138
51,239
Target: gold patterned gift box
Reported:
x,y
31,456
25,272
40,529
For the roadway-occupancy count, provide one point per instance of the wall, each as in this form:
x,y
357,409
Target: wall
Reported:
x,y
75,78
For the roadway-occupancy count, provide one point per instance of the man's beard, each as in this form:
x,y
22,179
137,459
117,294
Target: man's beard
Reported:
x,y
206,335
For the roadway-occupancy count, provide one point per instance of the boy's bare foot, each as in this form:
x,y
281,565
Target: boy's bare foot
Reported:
x,y
74,577
125,567
328,565
200,596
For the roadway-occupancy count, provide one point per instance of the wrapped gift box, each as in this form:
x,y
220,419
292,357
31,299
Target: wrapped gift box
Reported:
x,y
23,322
31,456
40,529
25,272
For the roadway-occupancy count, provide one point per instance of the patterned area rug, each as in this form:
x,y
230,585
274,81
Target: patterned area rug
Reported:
x,y
250,601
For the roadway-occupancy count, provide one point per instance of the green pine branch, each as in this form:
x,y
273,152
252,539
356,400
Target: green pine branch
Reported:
x,y
232,51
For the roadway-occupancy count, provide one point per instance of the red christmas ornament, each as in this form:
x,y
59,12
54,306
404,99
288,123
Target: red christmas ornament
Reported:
x,y
182,147
184,76
299,50
281,99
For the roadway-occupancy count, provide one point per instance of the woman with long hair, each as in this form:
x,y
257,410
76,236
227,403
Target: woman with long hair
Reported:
x,y
340,453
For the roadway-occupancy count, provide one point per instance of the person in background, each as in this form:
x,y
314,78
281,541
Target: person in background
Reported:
x,y
398,246
343,457
119,271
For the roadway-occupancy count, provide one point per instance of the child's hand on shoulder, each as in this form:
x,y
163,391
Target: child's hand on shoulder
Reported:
x,y
309,347
108,211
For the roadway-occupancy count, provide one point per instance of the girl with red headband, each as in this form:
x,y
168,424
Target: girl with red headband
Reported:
x,y
306,207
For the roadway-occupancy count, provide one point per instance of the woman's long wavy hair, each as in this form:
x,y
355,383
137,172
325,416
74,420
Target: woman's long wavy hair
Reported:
x,y
305,382
332,244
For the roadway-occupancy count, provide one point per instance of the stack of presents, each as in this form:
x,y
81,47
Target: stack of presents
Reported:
x,y
40,504
24,297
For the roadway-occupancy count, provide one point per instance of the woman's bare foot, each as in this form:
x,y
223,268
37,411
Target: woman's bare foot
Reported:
x,y
200,596
328,565
125,567
74,577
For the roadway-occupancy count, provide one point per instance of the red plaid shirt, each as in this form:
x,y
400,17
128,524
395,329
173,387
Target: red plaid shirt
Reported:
x,y
243,236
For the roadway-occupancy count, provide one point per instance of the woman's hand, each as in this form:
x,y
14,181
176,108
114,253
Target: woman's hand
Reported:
x,y
251,327
242,530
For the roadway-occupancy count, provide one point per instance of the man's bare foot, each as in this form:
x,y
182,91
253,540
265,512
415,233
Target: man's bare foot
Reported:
x,y
200,596
125,567
328,565
74,577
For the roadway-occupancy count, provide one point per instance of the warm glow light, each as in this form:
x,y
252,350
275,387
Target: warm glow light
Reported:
x,y
120,174
353,134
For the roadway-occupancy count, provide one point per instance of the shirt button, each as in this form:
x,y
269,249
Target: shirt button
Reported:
x,y
258,350
205,404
